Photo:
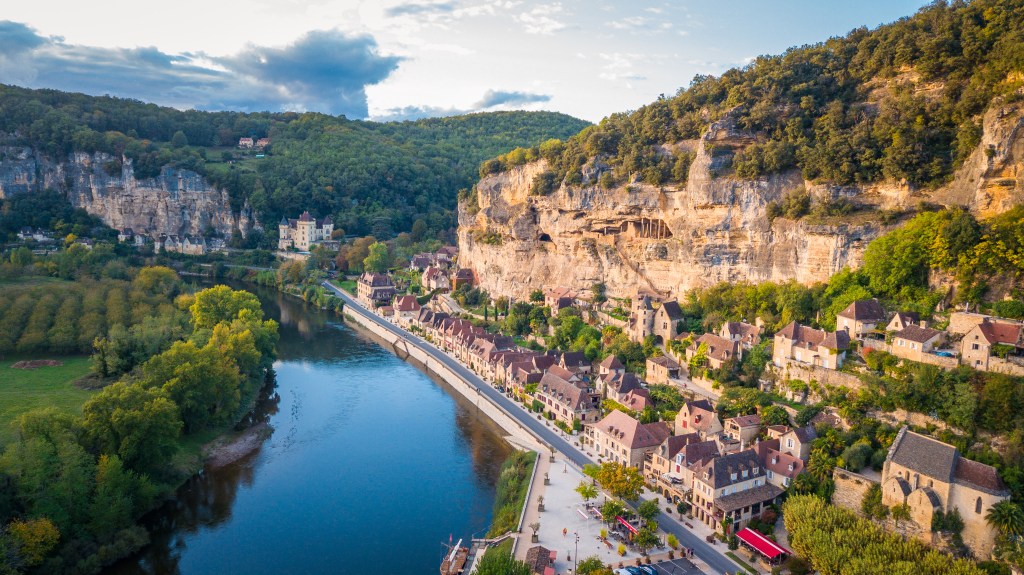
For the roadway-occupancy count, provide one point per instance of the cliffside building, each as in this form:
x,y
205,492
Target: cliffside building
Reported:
x,y
860,318
806,345
932,477
303,233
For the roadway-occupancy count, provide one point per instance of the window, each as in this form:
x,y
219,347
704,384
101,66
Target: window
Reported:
x,y
977,506
744,473
770,474
789,442
732,476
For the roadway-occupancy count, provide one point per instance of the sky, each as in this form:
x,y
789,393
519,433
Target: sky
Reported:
x,y
407,59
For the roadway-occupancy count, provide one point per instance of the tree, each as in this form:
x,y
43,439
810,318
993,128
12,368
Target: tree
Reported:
x,y
499,563
378,258
593,565
138,424
221,303
899,513
21,257
872,505
774,415
586,490
858,455
620,480
179,140
648,510
33,539
1007,518
537,296
611,509
645,539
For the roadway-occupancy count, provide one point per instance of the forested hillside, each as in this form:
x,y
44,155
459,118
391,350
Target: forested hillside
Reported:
x,y
901,103
374,178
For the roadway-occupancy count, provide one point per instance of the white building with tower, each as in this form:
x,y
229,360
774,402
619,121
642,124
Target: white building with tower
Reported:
x,y
304,232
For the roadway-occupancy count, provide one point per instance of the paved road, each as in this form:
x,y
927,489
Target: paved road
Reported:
x,y
716,562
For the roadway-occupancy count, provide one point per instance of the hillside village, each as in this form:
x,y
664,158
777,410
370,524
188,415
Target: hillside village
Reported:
x,y
726,466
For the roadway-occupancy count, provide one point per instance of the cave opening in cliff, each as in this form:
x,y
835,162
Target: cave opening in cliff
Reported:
x,y
652,228
544,238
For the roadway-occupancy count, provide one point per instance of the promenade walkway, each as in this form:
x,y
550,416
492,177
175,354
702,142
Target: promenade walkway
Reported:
x,y
711,559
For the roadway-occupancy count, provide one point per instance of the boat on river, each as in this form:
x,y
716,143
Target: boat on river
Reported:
x,y
455,561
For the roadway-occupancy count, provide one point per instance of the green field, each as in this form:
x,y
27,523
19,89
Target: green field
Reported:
x,y
347,285
23,390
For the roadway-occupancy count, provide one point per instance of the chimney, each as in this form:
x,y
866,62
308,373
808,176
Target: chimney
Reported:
x,y
923,323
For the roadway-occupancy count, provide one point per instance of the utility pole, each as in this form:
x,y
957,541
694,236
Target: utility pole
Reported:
x,y
575,556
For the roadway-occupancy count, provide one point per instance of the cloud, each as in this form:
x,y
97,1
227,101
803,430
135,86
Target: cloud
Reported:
x,y
492,100
619,67
541,19
324,70
420,9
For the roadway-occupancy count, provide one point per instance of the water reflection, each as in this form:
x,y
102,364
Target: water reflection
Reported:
x,y
367,459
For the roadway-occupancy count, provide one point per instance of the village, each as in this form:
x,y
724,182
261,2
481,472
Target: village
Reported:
x,y
723,476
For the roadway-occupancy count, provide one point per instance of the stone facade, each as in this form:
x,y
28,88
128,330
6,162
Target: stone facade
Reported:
x,y
303,233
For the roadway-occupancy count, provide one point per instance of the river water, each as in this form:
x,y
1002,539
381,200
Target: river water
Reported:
x,y
370,467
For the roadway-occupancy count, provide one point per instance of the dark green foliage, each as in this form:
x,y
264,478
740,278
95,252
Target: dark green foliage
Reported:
x,y
48,210
511,491
847,110
374,178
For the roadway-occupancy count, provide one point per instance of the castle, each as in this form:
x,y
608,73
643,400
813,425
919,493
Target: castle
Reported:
x,y
304,232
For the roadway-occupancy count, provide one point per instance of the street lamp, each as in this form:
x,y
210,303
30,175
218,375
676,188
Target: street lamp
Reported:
x,y
575,555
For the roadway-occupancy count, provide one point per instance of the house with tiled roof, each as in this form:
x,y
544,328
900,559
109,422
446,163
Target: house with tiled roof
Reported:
x,y
732,486
665,467
981,342
746,335
622,439
303,233
609,366
407,309
933,477
860,318
780,468
576,362
797,442
420,262
667,319
698,417
435,278
717,350
914,341
374,289
743,428
558,298
902,319
566,401
808,346
462,277
615,386
661,369
637,400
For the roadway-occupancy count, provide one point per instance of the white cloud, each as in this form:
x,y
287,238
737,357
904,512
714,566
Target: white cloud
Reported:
x,y
541,19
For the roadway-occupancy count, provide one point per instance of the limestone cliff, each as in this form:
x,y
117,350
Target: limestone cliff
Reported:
x,y
175,202
714,227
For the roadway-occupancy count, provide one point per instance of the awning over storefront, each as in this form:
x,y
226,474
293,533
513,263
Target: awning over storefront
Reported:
x,y
626,523
762,544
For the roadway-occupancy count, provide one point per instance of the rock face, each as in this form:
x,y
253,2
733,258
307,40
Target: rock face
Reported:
x,y
175,202
671,239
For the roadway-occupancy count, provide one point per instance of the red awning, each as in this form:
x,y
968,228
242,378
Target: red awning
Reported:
x,y
626,523
762,544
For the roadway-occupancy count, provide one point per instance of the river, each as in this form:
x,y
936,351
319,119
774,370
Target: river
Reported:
x,y
370,467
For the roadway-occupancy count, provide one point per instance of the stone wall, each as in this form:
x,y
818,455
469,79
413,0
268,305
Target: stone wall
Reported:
x,y
850,489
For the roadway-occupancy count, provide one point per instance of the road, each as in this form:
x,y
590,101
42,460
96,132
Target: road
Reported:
x,y
702,550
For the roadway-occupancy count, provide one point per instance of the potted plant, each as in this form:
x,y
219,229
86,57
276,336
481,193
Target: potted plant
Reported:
x,y
540,503
536,527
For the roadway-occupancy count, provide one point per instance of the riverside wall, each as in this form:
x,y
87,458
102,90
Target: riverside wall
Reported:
x,y
405,349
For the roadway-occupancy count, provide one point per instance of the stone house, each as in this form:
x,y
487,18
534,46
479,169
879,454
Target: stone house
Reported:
x,y
558,298
805,345
698,417
860,318
420,262
902,319
304,232
797,442
610,365
932,477
484,350
434,278
746,335
731,486
566,401
661,369
780,468
641,318
976,348
462,277
913,341
407,309
617,385
719,350
622,439
637,400
666,321
665,467
576,362
743,428
245,143
374,289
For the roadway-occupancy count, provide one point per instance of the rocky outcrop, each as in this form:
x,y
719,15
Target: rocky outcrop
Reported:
x,y
175,202
670,239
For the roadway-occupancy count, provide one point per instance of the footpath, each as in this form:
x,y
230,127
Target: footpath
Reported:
x,y
527,431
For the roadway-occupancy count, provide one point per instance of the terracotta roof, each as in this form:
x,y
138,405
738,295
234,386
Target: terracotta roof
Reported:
x,y
611,363
564,392
719,348
622,382
406,303
538,558
637,399
780,463
375,279
809,337
864,310
918,334
1000,332
745,331
979,476
630,432
745,420
561,372
676,443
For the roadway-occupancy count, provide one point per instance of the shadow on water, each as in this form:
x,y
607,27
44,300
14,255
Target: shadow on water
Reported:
x,y
368,462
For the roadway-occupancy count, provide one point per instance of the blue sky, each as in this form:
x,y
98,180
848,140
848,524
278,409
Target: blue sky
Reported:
x,y
399,59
